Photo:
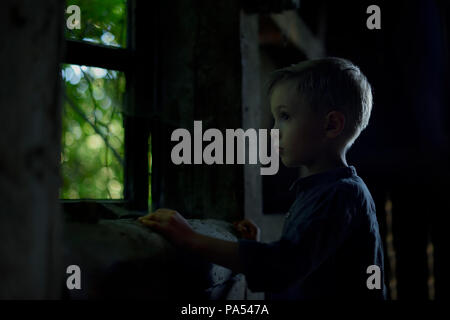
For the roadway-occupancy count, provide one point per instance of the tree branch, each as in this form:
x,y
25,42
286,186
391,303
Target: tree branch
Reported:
x,y
81,113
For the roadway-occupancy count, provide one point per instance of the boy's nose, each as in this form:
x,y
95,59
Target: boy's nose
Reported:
x,y
275,133
275,125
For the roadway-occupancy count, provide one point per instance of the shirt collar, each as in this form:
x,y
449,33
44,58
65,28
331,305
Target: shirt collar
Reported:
x,y
323,177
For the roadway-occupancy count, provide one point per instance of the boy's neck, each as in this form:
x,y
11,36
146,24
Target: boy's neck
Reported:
x,y
324,165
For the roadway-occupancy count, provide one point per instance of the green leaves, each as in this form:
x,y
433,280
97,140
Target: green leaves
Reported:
x,y
102,21
93,134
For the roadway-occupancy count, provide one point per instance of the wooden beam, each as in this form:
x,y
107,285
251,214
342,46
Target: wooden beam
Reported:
x,y
296,30
84,53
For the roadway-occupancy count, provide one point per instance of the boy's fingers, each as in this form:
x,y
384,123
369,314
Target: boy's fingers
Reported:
x,y
243,223
151,216
248,226
148,222
143,218
237,223
247,222
152,224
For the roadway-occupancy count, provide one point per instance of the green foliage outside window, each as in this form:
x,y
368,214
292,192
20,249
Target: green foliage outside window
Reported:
x,y
92,157
93,134
102,21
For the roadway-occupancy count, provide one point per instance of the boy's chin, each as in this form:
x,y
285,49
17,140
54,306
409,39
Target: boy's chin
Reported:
x,y
289,163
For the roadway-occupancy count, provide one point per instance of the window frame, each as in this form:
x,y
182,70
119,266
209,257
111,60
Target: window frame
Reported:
x,y
136,127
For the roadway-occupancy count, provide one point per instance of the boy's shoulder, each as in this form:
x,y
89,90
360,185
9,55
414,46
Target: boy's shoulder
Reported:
x,y
354,190
353,184
341,188
337,198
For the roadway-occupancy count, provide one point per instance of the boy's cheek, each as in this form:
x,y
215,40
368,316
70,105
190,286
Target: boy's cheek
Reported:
x,y
285,161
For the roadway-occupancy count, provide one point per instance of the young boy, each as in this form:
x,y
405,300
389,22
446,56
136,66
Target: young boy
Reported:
x,y
330,247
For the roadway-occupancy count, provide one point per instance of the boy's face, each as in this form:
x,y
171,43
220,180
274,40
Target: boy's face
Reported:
x,y
301,131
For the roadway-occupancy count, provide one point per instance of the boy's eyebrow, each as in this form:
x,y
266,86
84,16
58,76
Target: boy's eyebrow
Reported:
x,y
280,106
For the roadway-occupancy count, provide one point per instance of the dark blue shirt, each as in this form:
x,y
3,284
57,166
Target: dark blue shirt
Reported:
x,y
330,237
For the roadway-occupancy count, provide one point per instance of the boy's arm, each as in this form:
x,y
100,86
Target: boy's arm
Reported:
x,y
269,266
178,231
221,252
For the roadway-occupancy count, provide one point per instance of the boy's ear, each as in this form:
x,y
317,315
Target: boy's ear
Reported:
x,y
334,123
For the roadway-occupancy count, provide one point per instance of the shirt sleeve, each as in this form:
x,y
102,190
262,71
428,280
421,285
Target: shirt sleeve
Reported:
x,y
277,265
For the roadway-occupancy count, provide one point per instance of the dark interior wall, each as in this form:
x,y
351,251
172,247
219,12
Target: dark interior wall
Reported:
x,y
405,63
200,79
30,218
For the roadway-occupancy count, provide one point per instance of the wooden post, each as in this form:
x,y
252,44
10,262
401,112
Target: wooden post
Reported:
x,y
30,220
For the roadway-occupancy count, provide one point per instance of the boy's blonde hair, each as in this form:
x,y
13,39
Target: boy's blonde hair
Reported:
x,y
331,84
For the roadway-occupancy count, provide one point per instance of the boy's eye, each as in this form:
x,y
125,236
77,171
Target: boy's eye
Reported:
x,y
284,116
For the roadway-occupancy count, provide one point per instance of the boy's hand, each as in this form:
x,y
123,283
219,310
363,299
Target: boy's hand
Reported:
x,y
248,230
171,225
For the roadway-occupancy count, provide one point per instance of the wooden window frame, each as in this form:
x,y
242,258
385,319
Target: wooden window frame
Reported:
x,y
136,127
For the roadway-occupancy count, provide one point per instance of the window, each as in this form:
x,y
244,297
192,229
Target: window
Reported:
x,y
92,148
105,153
103,22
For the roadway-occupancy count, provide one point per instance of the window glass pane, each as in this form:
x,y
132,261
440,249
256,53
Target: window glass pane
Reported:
x,y
102,21
93,133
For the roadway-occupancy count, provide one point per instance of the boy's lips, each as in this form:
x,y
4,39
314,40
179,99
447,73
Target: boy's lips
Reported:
x,y
278,149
